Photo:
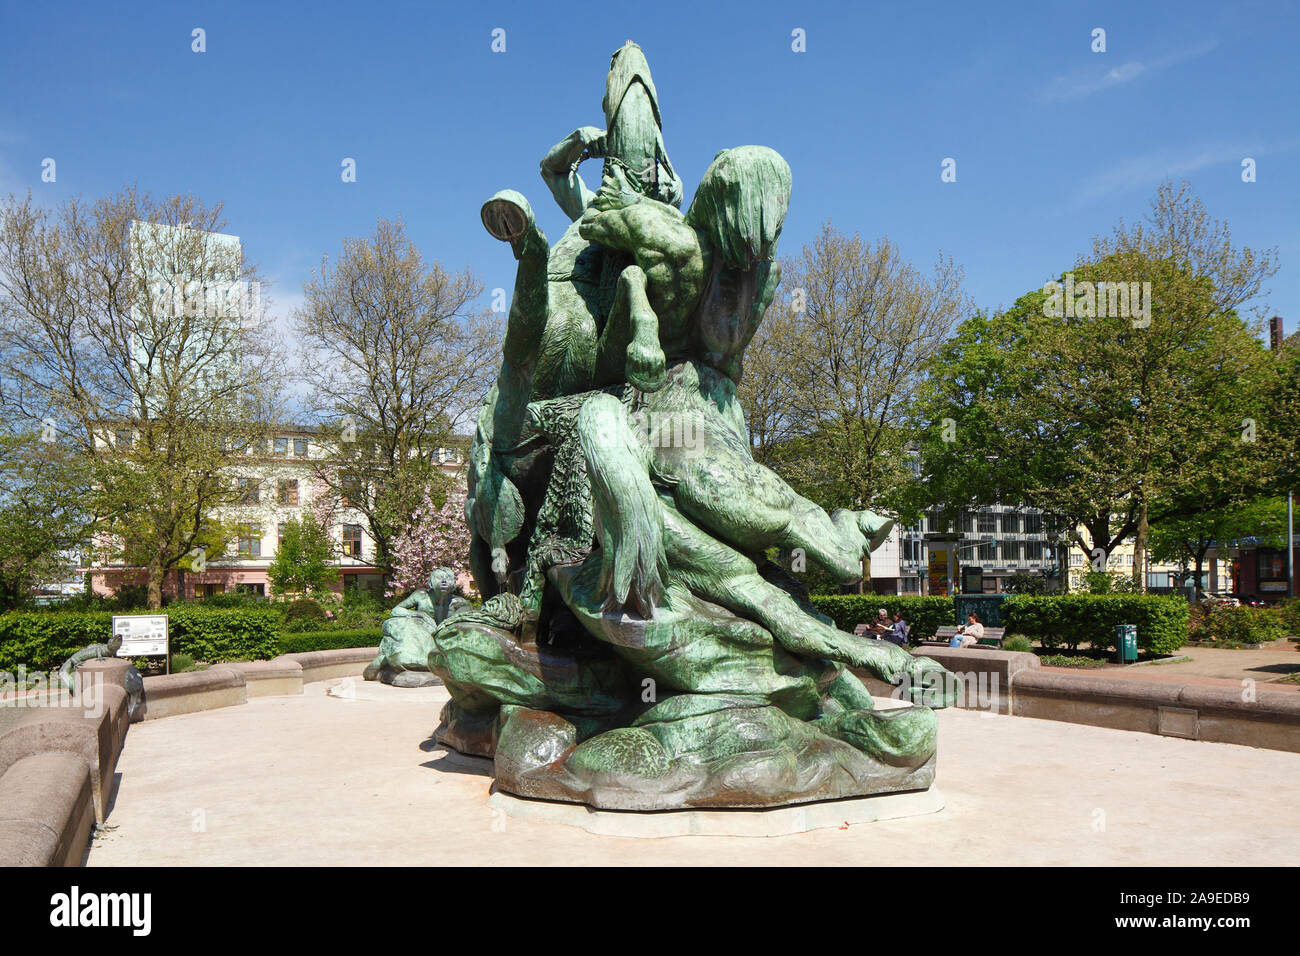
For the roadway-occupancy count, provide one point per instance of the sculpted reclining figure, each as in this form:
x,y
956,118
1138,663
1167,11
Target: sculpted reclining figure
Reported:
x,y
637,649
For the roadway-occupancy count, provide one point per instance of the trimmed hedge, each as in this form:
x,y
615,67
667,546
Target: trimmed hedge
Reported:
x,y
1072,619
1239,625
42,640
925,615
225,634
328,640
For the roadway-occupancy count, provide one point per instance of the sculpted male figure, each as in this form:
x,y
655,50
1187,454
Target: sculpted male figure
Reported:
x,y
404,649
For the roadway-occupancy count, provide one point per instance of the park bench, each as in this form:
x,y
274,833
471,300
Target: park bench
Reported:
x,y
864,630
992,636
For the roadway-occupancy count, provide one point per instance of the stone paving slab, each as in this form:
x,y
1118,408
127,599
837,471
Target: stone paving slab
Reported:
x,y
321,780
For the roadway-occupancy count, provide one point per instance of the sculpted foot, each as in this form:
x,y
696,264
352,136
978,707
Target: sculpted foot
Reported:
x,y
508,217
875,528
646,367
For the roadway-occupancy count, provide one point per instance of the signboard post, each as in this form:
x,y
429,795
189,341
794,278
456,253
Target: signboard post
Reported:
x,y
143,635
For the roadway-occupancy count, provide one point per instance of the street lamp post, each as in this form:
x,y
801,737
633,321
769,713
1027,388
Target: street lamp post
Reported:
x,y
1290,545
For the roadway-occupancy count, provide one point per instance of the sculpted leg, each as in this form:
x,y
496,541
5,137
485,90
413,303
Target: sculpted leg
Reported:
x,y
750,506
629,343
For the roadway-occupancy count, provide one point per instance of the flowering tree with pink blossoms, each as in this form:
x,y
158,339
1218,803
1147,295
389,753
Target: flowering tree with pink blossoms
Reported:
x,y
435,537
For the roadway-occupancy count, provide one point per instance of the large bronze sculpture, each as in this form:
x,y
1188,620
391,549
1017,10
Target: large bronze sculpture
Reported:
x,y
637,649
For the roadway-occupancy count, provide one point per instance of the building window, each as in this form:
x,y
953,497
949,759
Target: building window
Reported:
x,y
279,536
1076,559
911,585
352,540
988,523
300,448
1033,550
250,541
250,490
1033,524
987,550
210,590
1010,550
1010,524
280,447
124,438
257,590
350,491
287,491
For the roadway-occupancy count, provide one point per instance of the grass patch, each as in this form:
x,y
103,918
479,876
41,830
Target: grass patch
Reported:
x,y
1071,660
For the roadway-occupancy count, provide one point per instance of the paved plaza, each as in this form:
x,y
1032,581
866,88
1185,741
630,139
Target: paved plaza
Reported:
x,y
1216,665
325,780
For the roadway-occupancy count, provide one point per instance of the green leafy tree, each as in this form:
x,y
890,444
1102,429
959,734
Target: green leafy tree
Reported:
x,y
1186,539
1108,419
127,339
304,559
43,518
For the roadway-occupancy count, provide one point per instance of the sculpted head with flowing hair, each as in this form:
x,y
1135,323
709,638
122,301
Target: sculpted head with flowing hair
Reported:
x,y
741,204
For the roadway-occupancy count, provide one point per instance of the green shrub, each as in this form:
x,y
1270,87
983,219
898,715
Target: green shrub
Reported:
x,y
303,610
182,663
328,640
1239,625
1290,613
1073,619
359,617
1066,660
224,634
1025,582
925,615
42,640
1108,582
233,599
1017,643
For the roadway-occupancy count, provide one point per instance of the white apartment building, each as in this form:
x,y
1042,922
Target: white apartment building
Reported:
x,y
279,482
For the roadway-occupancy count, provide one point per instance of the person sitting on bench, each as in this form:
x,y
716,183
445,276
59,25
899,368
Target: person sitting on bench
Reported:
x,y
880,626
969,634
898,631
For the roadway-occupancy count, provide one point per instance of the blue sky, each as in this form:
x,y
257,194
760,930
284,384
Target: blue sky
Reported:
x,y
1053,142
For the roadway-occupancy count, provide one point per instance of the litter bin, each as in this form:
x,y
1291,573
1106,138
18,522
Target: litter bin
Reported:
x,y
1126,639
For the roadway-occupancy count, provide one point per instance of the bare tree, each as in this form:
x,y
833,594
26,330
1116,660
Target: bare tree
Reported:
x,y
127,335
394,356
839,368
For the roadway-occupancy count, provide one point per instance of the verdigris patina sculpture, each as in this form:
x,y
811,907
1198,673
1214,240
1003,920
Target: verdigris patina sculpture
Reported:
x,y
403,658
637,649
132,681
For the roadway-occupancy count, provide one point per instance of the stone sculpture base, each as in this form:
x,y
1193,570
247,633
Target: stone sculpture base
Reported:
x,y
779,821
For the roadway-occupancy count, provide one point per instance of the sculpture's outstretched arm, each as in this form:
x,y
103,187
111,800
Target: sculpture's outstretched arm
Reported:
x,y
642,227
560,168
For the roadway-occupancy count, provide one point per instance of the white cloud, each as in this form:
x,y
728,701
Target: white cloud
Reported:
x,y
1085,82
1142,171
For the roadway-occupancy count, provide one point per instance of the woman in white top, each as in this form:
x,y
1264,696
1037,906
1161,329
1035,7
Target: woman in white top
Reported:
x,y
969,633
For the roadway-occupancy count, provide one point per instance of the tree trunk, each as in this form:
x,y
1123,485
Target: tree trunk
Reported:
x,y
156,576
1140,550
